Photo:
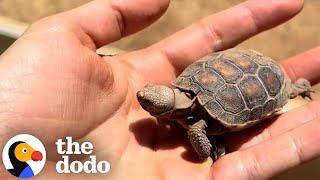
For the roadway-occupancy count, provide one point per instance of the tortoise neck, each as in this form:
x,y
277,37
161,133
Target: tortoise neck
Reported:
x,y
182,105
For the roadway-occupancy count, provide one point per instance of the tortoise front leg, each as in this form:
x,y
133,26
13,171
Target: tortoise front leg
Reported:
x,y
202,145
199,140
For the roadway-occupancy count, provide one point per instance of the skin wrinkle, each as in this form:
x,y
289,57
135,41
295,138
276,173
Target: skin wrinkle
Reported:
x,y
84,37
128,140
86,40
53,25
108,85
247,12
121,24
216,39
48,24
114,113
251,168
124,17
148,69
241,165
7,88
165,53
238,164
266,134
272,131
250,165
211,34
56,24
296,147
317,130
296,144
311,109
124,103
94,83
315,154
30,94
132,76
87,34
253,18
317,127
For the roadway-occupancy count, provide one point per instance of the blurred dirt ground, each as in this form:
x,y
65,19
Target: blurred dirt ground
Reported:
x,y
299,34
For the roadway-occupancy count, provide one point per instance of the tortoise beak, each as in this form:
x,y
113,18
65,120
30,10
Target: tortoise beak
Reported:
x,y
36,156
140,95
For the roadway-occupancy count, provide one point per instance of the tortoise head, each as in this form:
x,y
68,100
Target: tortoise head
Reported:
x,y
156,99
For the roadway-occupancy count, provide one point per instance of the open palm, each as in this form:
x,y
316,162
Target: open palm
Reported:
x,y
53,84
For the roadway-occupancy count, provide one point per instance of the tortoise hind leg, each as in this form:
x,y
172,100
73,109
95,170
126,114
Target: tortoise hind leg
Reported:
x,y
301,87
218,148
201,144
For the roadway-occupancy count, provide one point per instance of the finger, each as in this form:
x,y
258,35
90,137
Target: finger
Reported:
x,y
225,29
306,65
105,21
272,157
266,131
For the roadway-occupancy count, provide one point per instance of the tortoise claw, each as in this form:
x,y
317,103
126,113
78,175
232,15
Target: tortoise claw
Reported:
x,y
307,94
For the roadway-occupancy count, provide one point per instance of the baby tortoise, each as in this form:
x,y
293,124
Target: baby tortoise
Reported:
x,y
222,92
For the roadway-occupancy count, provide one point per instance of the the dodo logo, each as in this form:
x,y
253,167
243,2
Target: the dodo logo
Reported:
x,y
24,156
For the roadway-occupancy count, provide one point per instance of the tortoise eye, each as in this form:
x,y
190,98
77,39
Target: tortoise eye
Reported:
x,y
24,150
191,118
190,95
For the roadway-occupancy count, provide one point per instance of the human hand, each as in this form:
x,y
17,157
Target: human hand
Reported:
x,y
53,85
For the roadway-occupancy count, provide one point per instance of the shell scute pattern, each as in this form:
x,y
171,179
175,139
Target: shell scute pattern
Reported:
x,y
230,99
192,69
187,83
237,87
242,116
256,112
204,97
229,72
214,109
271,80
252,91
245,64
209,80
268,107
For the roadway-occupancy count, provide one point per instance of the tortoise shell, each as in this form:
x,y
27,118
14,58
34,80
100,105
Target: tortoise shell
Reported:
x,y
236,87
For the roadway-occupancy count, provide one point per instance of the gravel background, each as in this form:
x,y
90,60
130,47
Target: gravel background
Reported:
x,y
297,35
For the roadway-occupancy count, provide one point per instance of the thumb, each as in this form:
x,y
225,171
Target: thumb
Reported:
x,y
105,21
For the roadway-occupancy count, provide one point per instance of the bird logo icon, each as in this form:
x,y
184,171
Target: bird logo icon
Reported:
x,y
24,156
